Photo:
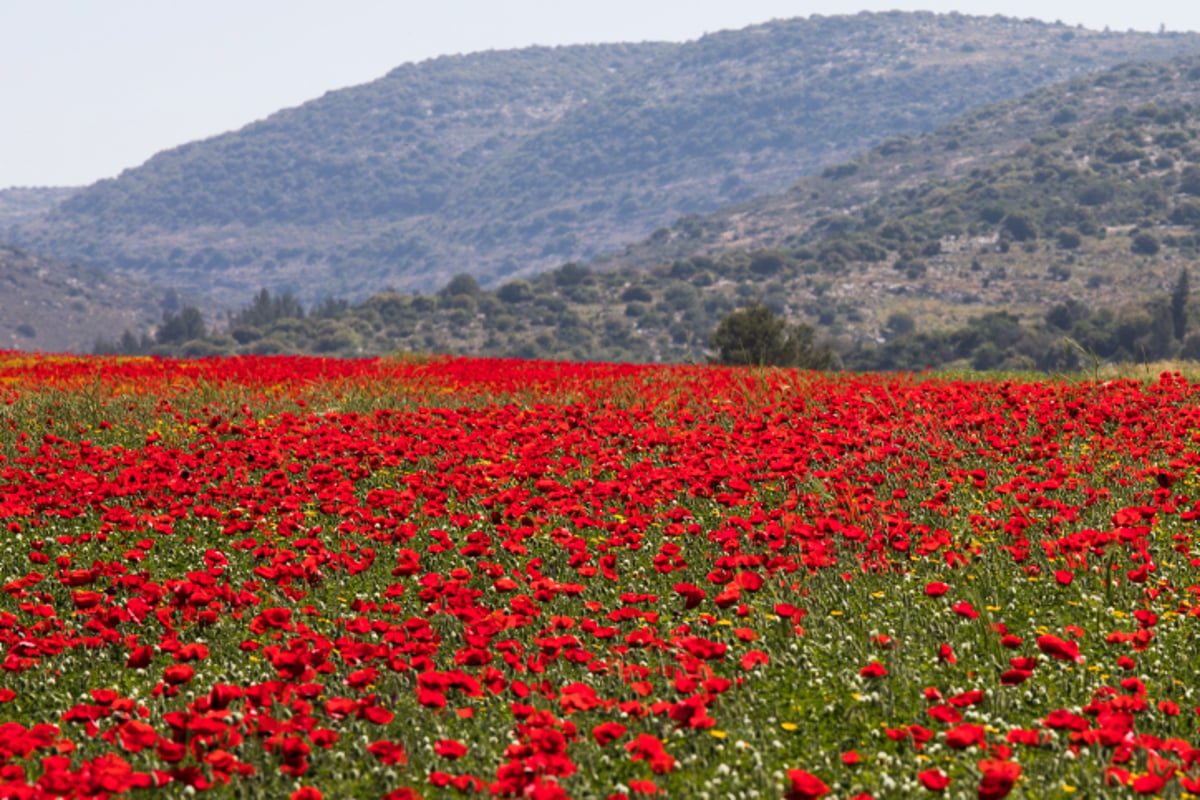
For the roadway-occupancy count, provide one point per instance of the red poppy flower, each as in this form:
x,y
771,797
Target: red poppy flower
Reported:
x,y
1148,784
804,786
607,732
972,697
177,674
946,714
753,658
692,594
403,793
193,651
1058,648
362,678
1015,677
388,752
934,779
140,657
137,736
998,780
650,749
964,736
873,670
450,748
376,714
965,609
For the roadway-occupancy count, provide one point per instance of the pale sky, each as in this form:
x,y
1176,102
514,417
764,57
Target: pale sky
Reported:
x,y
91,87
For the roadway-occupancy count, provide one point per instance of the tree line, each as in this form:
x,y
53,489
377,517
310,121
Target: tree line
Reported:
x,y
1069,336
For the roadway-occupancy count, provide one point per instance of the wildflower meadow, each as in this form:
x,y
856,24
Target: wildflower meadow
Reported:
x,y
294,577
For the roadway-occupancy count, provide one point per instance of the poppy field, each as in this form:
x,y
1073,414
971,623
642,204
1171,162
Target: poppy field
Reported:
x,y
453,578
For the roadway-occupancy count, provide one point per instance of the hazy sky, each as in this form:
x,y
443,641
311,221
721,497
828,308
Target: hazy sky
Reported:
x,y
91,87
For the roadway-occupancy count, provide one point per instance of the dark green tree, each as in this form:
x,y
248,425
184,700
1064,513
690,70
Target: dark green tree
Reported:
x,y
1069,238
1162,342
461,284
1066,314
900,323
1189,180
1020,226
754,336
1187,213
1145,244
515,291
330,308
265,309
128,345
766,262
571,274
1180,294
188,324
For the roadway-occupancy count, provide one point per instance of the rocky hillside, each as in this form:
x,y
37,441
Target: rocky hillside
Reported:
x,y
19,205
506,164
1056,223
53,306
1095,197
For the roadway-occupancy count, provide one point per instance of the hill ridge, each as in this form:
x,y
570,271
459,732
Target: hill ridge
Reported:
x,y
366,188
1063,242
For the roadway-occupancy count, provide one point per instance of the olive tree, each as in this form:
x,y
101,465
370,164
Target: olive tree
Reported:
x,y
753,335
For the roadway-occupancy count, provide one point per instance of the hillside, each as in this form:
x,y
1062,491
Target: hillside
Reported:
x,y
507,164
1078,231
52,306
970,142
19,205
1100,205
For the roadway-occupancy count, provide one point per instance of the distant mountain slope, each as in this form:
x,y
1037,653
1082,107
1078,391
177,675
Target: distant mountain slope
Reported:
x,y
970,142
23,204
52,306
1076,228
1086,193
319,191
509,163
